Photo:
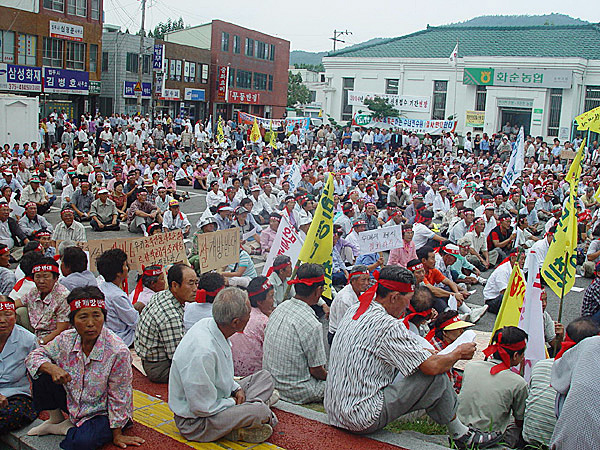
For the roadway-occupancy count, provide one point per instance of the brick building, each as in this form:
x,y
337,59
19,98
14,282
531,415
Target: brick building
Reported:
x,y
249,69
50,49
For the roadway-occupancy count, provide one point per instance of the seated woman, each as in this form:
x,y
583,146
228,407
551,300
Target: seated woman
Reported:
x,y
47,302
149,282
16,404
247,347
446,328
85,372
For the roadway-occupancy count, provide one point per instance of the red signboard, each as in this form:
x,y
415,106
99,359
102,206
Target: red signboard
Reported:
x,y
223,80
236,96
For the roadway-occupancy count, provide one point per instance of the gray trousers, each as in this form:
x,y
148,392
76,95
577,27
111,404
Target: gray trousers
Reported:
x,y
137,222
157,372
434,394
254,411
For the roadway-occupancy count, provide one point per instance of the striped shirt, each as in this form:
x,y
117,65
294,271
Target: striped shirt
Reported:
x,y
365,358
540,418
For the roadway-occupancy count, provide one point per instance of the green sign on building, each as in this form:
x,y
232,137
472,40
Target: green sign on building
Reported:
x,y
512,77
95,87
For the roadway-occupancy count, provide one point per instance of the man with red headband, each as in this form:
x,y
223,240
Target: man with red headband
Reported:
x,y
267,237
32,221
149,282
345,219
68,229
491,393
372,342
294,352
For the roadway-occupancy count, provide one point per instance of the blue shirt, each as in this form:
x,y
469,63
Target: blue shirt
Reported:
x,y
121,316
13,373
484,144
532,217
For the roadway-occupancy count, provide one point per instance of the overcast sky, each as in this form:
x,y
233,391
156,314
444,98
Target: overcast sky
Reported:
x,y
309,24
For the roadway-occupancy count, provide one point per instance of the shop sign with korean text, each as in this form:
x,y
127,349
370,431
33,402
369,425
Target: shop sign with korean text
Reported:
x,y
129,89
545,78
63,81
400,102
223,79
63,30
236,96
20,78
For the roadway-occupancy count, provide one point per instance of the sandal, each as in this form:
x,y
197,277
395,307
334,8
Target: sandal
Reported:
x,y
475,439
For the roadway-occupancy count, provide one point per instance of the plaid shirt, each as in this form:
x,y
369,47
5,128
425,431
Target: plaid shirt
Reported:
x,y
454,374
160,328
591,299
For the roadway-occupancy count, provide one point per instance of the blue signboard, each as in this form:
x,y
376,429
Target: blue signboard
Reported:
x,y
129,89
20,78
63,81
194,95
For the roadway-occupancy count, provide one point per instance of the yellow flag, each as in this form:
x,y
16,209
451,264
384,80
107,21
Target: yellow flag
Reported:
x,y
597,194
512,302
255,133
320,113
272,141
589,120
318,245
575,169
220,134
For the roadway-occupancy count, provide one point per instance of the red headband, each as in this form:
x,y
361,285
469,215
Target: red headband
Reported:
x,y
279,267
87,303
414,313
7,306
4,250
357,273
263,288
367,297
415,267
442,326
139,287
202,293
44,268
566,345
307,281
41,233
501,349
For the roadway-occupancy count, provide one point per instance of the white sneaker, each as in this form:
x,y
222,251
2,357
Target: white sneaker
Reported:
x,y
466,316
478,312
482,280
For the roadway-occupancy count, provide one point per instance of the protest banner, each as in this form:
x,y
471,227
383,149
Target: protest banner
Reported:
x,y
162,248
294,177
275,124
399,102
381,239
218,249
512,301
420,126
475,118
589,120
516,162
287,242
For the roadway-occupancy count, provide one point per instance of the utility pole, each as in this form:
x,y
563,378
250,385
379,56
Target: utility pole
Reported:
x,y
141,59
337,34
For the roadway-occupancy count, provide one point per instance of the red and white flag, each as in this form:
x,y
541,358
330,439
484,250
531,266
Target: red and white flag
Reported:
x,y
454,56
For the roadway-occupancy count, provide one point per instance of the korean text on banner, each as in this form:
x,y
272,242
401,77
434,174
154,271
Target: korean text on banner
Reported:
x,y
295,177
510,311
380,239
287,242
420,126
318,246
164,249
218,249
589,120
516,163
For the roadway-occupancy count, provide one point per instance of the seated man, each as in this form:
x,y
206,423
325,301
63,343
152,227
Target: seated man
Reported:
x,y
372,342
121,316
160,327
209,285
103,213
81,202
7,276
241,272
149,282
491,392
493,291
16,404
31,222
279,274
590,307
174,219
423,235
502,237
207,402
294,351
68,229
142,213
85,372
74,267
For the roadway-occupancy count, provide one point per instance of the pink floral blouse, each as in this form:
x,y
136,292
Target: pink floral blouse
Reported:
x,y
100,383
45,314
247,347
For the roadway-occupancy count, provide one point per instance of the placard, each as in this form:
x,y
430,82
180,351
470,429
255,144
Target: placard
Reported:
x,y
420,126
381,239
474,118
400,102
218,249
287,242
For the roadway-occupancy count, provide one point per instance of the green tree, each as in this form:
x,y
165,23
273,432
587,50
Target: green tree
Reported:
x,y
381,108
166,27
298,94
312,67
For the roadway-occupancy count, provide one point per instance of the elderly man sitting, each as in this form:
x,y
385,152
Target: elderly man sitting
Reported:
x,y
207,402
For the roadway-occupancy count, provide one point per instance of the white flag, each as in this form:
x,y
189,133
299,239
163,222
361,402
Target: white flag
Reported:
x,y
516,163
209,127
532,319
454,56
295,177
287,242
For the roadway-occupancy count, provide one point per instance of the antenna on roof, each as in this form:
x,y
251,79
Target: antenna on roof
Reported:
x,y
336,34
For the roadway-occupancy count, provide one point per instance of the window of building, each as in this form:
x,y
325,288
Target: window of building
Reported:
x,y
555,108
440,91
95,9
132,62
272,53
93,57
75,55
225,41
480,98
7,46
249,47
55,5
27,49
52,54
270,86
260,81
244,79
261,49
313,96
391,86
592,97
231,81
347,86
77,7
237,44
192,75
104,61
204,73
146,64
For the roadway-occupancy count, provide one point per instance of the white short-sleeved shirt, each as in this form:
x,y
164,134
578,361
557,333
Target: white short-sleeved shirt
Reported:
x,y
422,234
498,281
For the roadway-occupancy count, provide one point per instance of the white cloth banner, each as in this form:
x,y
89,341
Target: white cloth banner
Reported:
x,y
287,242
399,102
381,239
295,177
516,163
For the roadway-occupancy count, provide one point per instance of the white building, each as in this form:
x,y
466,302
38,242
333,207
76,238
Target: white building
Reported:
x,y
316,84
539,77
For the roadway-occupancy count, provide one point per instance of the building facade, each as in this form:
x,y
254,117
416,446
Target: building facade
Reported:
x,y
51,49
249,69
316,84
538,77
